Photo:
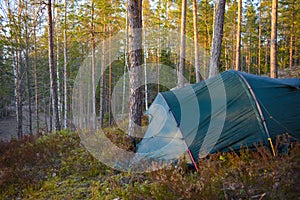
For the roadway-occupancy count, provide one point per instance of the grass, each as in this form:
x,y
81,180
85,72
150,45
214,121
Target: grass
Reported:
x,y
57,166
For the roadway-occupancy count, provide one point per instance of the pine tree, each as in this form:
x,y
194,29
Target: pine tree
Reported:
x,y
273,51
135,57
217,39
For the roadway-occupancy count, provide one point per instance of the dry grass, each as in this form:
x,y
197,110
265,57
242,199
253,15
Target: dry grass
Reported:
x,y
58,166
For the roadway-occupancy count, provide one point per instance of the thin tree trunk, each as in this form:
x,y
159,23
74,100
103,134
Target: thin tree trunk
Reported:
x,y
126,62
53,83
259,41
238,37
35,75
145,63
18,71
102,82
18,95
110,79
181,68
135,56
158,51
292,35
93,69
196,47
233,40
273,50
217,39
66,110
28,75
58,64
45,109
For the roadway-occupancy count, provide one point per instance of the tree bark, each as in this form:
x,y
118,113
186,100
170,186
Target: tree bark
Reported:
x,y
196,50
35,75
273,50
135,72
27,66
102,81
66,110
238,37
181,67
93,69
58,63
259,41
126,62
53,83
217,39
292,35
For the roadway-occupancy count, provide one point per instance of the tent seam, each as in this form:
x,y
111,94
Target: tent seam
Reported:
x,y
178,125
258,109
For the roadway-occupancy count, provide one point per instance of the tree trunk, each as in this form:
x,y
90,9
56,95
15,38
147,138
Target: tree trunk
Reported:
x,y
53,83
292,35
102,81
58,63
27,66
238,37
196,50
181,68
126,63
233,40
110,120
18,71
145,62
135,72
93,69
35,76
217,39
259,41
66,110
273,50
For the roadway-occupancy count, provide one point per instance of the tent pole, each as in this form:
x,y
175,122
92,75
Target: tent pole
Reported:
x,y
260,112
192,158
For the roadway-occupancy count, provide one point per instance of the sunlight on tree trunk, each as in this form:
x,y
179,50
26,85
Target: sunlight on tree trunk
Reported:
x,y
196,45
217,39
273,50
238,37
181,67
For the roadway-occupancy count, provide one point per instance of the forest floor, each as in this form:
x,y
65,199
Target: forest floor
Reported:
x,y
57,166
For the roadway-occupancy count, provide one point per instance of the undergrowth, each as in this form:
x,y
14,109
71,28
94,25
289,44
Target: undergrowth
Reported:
x,y
57,166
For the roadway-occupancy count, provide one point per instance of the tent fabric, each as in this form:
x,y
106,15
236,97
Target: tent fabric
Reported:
x,y
221,114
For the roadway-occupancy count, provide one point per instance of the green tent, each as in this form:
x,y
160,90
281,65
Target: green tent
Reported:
x,y
226,112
